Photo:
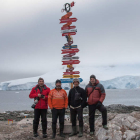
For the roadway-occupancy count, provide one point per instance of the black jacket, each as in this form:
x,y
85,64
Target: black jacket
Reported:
x,y
79,102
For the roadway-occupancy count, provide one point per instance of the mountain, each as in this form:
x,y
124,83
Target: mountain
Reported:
x,y
112,77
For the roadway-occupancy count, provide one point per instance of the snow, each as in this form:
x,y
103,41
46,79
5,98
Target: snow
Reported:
x,y
112,77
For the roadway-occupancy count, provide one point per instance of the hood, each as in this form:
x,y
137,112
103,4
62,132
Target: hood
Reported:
x,y
97,82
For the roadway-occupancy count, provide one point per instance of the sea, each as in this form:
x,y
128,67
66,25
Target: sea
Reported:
x,y
19,100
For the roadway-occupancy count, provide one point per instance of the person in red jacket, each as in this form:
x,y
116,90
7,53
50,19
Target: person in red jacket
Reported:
x,y
96,95
40,94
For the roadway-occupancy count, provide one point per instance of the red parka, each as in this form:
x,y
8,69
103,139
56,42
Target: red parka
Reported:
x,y
97,95
42,103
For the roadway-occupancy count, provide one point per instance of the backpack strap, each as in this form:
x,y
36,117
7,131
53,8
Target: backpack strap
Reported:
x,y
92,90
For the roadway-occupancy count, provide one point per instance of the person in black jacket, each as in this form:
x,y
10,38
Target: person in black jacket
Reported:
x,y
77,101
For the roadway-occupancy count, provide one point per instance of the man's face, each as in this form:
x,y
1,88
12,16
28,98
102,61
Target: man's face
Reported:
x,y
92,80
41,83
58,85
76,83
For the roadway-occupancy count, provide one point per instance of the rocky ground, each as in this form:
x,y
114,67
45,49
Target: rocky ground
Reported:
x,y
123,123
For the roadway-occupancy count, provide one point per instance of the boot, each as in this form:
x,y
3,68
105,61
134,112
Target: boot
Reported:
x,y
54,131
61,130
105,127
44,134
62,134
92,133
36,134
35,128
73,131
80,132
53,136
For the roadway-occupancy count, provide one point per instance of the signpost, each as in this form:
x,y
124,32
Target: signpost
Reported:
x,y
69,50
69,47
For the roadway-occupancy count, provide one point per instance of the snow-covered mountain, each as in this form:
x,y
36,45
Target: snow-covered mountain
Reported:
x,y
112,77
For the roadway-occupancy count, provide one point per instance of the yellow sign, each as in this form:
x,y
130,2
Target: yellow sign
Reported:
x,y
69,66
71,76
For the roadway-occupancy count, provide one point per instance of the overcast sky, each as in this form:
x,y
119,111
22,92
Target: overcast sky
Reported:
x,y
31,40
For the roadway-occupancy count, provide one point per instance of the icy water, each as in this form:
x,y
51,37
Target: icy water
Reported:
x,y
19,100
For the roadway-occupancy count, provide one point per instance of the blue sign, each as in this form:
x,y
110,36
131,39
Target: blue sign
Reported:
x,y
69,80
69,47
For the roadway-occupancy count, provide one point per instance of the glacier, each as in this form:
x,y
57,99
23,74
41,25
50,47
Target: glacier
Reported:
x,y
124,82
112,77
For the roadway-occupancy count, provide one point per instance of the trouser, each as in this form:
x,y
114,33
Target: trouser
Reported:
x,y
92,109
55,114
37,114
74,113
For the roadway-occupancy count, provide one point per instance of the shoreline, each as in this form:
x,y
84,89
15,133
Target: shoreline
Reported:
x,y
113,108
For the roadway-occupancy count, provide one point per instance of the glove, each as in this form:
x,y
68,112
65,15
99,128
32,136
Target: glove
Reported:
x,y
98,105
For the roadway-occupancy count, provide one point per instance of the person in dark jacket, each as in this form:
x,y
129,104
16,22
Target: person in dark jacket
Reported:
x,y
76,101
40,94
96,95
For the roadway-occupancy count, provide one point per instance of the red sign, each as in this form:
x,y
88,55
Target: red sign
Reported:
x,y
69,73
69,55
68,20
70,51
69,43
68,24
68,28
67,15
70,33
71,62
70,69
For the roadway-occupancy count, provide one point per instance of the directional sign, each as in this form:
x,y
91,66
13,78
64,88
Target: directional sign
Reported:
x,y
71,76
69,55
68,28
70,51
71,62
69,47
69,80
69,43
70,58
67,15
67,24
69,73
70,69
68,20
69,33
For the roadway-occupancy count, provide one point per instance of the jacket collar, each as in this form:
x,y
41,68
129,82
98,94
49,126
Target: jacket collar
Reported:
x,y
97,82
37,87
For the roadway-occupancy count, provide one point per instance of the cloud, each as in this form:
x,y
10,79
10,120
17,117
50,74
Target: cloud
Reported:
x,y
31,42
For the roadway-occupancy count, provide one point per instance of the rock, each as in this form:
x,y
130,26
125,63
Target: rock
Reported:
x,y
130,135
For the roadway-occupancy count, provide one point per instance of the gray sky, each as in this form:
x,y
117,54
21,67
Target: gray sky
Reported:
x,y
31,42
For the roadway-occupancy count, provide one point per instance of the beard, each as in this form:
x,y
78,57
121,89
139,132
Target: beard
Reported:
x,y
58,87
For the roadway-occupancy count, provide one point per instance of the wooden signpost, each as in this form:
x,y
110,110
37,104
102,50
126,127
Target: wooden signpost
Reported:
x,y
69,50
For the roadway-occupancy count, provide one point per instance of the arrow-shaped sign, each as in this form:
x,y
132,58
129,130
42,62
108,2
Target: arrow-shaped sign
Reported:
x,y
70,51
69,47
69,80
70,33
69,55
70,58
71,76
69,73
69,43
68,28
67,15
71,62
70,69
67,24
68,20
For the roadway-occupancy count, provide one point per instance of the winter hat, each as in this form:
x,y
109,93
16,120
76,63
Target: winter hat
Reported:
x,y
58,81
93,76
76,80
